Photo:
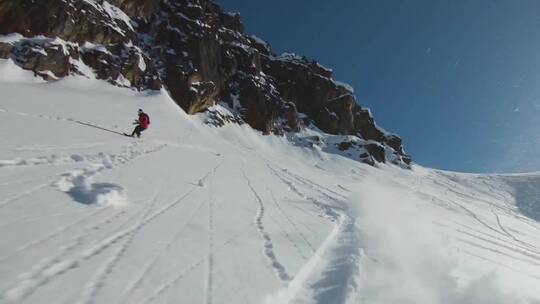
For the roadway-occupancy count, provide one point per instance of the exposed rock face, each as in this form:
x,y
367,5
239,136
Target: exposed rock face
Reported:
x,y
72,20
197,52
47,60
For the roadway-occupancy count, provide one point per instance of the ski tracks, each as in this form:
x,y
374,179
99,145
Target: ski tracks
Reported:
x,y
59,118
314,186
57,233
329,276
58,266
173,281
79,185
329,211
16,197
498,227
210,256
93,288
293,224
268,246
136,283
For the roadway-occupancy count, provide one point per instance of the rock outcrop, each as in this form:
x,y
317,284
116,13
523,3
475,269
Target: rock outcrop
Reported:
x,y
200,55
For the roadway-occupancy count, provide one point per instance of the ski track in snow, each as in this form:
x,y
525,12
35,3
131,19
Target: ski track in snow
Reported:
x,y
268,246
314,186
500,252
477,234
337,280
49,272
26,219
16,182
293,224
79,183
500,242
502,246
483,258
63,147
58,118
58,232
328,277
474,215
513,237
147,269
16,197
84,176
186,270
210,257
504,234
94,286
328,211
289,238
77,242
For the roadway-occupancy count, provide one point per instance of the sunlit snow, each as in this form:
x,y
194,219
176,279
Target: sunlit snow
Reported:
x,y
191,213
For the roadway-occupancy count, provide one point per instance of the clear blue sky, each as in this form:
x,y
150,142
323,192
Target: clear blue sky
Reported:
x,y
458,80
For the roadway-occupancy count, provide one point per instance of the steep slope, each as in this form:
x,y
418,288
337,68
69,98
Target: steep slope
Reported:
x,y
194,214
201,56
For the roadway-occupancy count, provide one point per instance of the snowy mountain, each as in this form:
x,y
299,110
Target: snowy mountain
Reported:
x,y
202,57
279,189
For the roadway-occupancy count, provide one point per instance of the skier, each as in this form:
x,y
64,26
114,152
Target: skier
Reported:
x,y
142,123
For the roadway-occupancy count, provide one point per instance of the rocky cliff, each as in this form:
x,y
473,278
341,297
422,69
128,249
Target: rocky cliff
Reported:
x,y
201,56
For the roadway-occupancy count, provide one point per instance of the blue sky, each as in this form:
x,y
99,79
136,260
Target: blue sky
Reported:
x,y
458,80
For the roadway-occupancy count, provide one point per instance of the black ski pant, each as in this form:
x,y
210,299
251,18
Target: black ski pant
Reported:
x,y
137,131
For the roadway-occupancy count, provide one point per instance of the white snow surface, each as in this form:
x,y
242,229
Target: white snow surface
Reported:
x,y
196,214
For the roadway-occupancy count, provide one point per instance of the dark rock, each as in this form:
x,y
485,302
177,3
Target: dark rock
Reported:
x,y
259,100
219,119
262,47
377,151
395,143
121,61
5,50
137,8
345,145
202,96
406,159
290,114
365,125
337,116
366,158
71,20
44,57
232,21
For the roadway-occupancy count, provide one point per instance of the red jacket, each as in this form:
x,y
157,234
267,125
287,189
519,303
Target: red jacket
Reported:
x,y
144,120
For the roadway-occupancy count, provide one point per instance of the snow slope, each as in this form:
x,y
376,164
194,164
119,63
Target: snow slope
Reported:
x,y
196,214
